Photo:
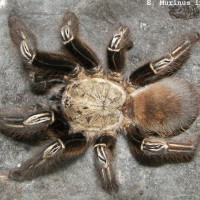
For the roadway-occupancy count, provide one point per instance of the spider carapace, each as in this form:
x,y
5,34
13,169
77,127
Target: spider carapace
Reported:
x,y
89,106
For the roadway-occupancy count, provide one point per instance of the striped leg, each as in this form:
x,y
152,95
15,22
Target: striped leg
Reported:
x,y
50,156
165,65
26,122
45,68
117,47
142,146
104,149
153,146
72,42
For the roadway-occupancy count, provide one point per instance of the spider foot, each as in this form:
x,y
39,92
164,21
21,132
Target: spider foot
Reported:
x,y
70,27
21,35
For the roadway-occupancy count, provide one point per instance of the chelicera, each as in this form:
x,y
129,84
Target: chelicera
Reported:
x,y
88,106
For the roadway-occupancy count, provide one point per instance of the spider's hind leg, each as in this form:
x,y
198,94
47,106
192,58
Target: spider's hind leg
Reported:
x,y
50,155
144,146
84,54
45,68
104,150
166,64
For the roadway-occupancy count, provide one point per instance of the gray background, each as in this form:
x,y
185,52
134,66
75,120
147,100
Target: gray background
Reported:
x,y
153,29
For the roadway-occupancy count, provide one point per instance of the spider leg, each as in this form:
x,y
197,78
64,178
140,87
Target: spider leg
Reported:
x,y
41,81
39,64
104,148
166,64
142,145
24,123
160,147
117,47
72,42
49,156
135,137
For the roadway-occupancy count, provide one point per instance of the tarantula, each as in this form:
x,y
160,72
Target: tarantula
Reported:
x,y
89,106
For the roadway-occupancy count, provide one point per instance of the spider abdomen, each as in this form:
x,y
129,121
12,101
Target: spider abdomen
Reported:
x,y
93,104
165,107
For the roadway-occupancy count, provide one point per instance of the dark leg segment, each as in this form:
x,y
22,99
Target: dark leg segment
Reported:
x,y
75,144
135,137
165,65
59,62
41,80
104,148
25,40
142,145
153,146
76,46
119,44
49,69
25,122
50,156
39,63
49,61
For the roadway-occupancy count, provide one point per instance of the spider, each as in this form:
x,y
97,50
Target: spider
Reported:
x,y
89,106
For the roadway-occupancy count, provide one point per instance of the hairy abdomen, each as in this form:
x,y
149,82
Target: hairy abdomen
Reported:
x,y
165,107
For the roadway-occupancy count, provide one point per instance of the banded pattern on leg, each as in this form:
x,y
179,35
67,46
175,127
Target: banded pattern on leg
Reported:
x,y
21,36
50,156
165,65
39,63
148,147
25,122
171,150
117,47
72,42
104,148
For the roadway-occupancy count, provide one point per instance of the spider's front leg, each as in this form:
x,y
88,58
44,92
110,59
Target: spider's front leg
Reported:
x,y
104,150
50,155
72,42
26,122
45,68
166,64
142,145
117,47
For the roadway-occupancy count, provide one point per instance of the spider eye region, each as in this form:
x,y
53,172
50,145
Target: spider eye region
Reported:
x,y
93,104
